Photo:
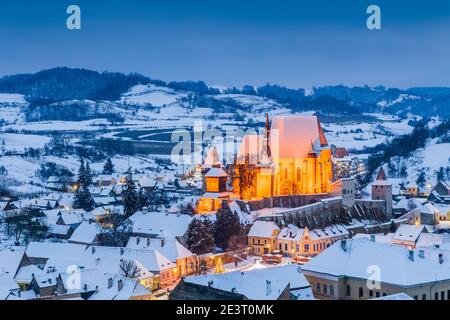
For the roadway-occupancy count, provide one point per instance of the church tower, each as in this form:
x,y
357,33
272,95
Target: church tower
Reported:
x,y
382,190
214,184
265,167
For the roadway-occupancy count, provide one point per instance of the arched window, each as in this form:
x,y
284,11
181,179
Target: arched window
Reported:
x,y
361,293
347,290
285,173
299,172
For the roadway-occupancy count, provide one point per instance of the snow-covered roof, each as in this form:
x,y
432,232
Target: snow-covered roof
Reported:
x,y
290,137
216,173
150,259
407,204
253,284
382,183
94,280
291,233
429,208
25,274
244,217
408,232
85,233
7,285
383,238
263,229
212,158
168,226
58,229
69,217
328,232
397,268
10,260
216,195
171,249
54,250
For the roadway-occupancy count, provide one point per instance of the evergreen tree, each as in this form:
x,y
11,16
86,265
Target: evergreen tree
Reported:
x,y
421,179
81,173
87,175
441,174
227,225
108,167
83,199
200,237
130,196
143,199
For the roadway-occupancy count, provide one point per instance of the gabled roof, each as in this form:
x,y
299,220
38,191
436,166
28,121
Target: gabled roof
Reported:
x,y
290,137
381,174
408,232
85,233
215,173
7,285
10,260
263,229
212,158
397,268
253,284
54,250
155,223
171,249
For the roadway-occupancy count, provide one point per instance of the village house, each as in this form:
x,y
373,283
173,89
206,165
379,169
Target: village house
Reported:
x,y
171,249
155,270
294,241
408,235
277,283
343,271
262,237
159,225
440,193
39,252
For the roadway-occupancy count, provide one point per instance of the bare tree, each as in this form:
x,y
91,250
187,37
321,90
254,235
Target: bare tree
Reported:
x,y
246,178
129,269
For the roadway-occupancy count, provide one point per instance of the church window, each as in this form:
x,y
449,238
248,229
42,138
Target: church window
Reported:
x,y
299,172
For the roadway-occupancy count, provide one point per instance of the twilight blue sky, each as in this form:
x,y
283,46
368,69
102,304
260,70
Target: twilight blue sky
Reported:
x,y
291,42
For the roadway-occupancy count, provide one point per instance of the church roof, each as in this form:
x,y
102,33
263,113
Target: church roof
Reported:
x,y
216,172
381,174
212,158
290,137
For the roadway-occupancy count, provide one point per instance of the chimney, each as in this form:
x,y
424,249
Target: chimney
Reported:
x,y
138,239
268,287
372,237
148,242
110,283
421,253
119,285
441,258
344,245
93,250
96,289
411,254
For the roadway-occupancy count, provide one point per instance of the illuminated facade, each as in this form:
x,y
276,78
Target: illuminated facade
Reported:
x,y
215,185
291,157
